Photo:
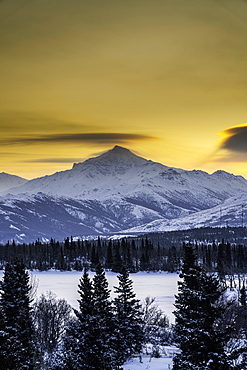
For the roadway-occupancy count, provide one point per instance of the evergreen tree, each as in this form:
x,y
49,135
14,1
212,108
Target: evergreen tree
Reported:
x,y
243,298
201,341
94,256
109,256
117,264
129,334
89,340
103,313
80,335
16,318
6,343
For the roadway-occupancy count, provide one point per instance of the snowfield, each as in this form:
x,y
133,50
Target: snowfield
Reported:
x,y
161,285
151,363
163,363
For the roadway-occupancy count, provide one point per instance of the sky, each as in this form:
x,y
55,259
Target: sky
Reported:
x,y
165,79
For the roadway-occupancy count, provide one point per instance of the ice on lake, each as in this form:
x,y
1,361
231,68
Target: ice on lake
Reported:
x,y
161,285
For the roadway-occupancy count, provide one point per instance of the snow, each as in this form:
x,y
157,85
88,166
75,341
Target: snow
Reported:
x,y
120,172
163,363
8,181
119,192
14,227
228,213
162,286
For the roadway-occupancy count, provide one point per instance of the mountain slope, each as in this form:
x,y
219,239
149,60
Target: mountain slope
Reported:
x,y
8,181
113,192
120,173
232,212
42,216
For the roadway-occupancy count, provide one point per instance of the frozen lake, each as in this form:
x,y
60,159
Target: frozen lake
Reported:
x,y
162,286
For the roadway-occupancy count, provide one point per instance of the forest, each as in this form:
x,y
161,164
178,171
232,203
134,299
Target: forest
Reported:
x,y
217,249
45,333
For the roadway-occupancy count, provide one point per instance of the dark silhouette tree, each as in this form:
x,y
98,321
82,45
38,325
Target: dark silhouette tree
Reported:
x,y
117,264
109,256
198,313
80,334
15,307
104,327
89,339
129,334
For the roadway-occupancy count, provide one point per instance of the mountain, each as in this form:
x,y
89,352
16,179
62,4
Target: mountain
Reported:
x,y
231,212
118,191
8,181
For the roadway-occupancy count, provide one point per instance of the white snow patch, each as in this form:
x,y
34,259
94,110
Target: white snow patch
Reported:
x,y
14,227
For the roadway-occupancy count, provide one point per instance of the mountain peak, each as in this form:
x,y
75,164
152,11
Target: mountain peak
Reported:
x,y
116,157
118,151
120,156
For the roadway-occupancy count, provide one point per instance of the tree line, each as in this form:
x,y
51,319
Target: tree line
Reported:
x,y
137,254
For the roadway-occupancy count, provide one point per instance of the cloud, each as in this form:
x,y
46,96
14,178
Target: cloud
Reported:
x,y
92,138
232,147
235,140
226,158
55,160
18,122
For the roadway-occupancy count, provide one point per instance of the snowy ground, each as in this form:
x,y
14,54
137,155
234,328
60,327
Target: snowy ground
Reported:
x,y
162,286
148,363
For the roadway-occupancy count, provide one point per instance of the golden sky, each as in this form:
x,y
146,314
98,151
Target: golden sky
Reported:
x,y
166,79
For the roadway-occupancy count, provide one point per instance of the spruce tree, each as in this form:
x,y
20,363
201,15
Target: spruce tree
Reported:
x,y
89,339
201,341
103,313
109,256
117,264
80,334
16,318
129,334
6,344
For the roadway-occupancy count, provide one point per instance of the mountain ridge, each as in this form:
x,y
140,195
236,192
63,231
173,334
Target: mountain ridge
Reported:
x,y
7,181
116,191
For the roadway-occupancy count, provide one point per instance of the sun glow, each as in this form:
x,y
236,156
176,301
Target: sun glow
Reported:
x,y
173,73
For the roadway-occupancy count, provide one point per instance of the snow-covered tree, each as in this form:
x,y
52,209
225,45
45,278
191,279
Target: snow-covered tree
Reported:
x,y
155,323
198,312
6,343
16,321
129,335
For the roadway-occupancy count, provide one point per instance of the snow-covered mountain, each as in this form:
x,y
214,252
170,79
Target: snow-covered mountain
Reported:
x,y
231,212
118,191
8,181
